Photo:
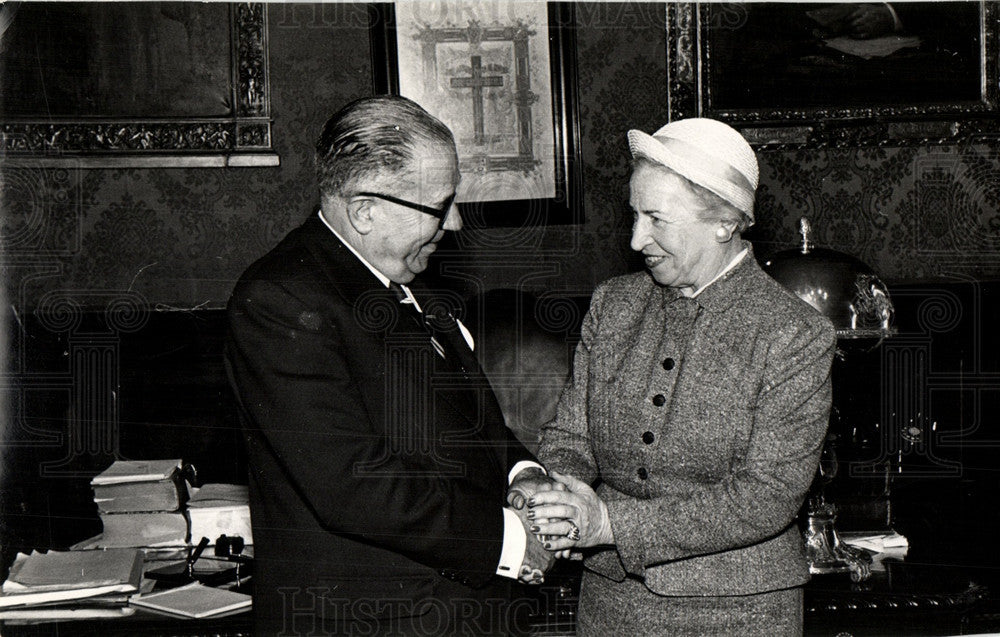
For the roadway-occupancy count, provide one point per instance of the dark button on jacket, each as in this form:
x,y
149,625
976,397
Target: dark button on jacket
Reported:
x,y
659,400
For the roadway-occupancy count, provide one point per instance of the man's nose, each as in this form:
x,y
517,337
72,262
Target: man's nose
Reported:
x,y
452,220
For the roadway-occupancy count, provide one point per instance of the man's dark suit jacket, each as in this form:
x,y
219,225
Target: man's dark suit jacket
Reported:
x,y
377,469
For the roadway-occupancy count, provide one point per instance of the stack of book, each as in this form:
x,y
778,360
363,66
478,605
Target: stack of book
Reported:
x,y
140,503
61,585
215,510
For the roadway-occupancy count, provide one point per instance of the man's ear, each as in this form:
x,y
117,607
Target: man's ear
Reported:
x,y
360,212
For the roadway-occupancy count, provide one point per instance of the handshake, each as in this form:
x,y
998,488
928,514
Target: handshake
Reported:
x,y
559,514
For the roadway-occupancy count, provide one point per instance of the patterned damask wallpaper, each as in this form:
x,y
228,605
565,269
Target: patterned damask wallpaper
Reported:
x,y
913,214
180,237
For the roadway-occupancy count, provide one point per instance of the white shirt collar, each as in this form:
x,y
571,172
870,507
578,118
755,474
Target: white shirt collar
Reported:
x,y
732,264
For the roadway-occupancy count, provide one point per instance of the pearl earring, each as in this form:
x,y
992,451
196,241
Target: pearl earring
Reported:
x,y
722,234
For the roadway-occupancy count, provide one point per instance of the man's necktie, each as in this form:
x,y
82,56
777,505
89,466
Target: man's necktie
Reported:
x,y
406,301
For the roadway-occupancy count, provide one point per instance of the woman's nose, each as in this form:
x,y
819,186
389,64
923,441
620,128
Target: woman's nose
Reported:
x,y
640,234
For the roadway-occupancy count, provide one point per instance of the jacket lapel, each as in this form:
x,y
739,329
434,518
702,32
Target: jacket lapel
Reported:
x,y
473,398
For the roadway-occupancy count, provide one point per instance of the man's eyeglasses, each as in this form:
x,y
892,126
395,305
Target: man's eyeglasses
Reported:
x,y
439,213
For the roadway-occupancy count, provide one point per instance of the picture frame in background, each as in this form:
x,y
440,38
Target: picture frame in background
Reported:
x,y
502,76
804,75
109,84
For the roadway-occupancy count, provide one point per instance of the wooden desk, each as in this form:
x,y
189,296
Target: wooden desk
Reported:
x,y
144,623
141,624
906,599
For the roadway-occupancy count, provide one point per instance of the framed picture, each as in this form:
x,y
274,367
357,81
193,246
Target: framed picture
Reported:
x,y
502,76
135,84
809,74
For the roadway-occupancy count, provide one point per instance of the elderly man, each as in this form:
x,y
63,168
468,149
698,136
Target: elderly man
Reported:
x,y
379,459
700,398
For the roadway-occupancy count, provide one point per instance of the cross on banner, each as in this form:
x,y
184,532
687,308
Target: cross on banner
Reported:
x,y
476,83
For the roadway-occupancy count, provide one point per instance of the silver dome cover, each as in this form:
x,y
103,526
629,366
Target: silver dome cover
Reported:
x,y
840,286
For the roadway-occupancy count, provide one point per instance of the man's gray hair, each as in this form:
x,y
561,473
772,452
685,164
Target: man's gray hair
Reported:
x,y
374,138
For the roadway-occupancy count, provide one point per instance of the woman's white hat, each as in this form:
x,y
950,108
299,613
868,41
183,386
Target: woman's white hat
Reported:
x,y
706,152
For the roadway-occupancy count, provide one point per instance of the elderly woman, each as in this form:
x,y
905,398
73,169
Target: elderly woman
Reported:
x,y
698,403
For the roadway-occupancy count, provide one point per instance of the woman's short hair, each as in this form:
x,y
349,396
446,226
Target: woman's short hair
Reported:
x,y
713,207
374,138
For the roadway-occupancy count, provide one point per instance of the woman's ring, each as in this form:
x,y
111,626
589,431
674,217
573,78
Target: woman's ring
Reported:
x,y
574,532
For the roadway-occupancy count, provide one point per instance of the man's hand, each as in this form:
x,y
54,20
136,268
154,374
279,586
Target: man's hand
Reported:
x,y
527,483
577,511
537,560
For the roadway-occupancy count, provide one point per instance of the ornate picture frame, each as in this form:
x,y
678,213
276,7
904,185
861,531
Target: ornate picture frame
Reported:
x,y
717,70
237,133
554,198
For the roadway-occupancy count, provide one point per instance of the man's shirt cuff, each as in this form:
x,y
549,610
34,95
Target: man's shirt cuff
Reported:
x,y
524,464
515,541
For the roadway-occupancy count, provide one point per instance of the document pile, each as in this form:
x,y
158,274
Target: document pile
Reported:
x,y
215,510
60,585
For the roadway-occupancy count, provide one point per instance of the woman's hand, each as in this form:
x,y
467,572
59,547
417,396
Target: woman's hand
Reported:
x,y
577,517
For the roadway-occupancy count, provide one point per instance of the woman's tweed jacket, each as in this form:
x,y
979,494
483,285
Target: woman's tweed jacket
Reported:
x,y
704,419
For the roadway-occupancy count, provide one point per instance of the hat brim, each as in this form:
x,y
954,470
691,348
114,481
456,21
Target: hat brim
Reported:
x,y
693,168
